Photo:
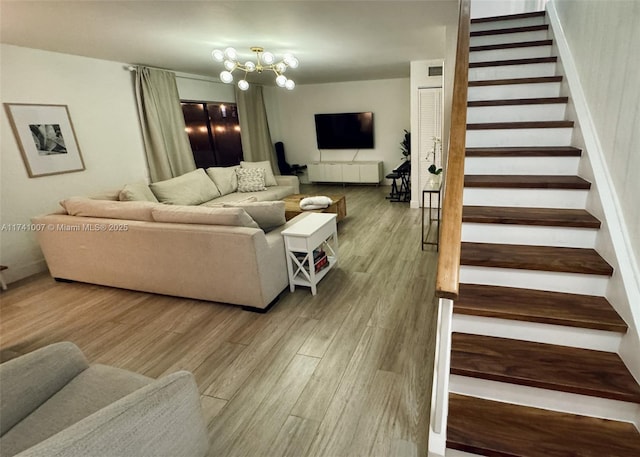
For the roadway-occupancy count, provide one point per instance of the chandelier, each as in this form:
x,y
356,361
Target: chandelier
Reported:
x,y
265,61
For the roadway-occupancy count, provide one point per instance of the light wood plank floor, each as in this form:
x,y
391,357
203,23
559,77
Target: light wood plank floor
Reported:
x,y
344,373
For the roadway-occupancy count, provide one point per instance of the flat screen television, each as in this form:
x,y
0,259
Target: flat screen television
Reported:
x,y
344,131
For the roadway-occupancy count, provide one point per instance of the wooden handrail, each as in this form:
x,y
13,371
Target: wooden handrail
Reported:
x,y
448,274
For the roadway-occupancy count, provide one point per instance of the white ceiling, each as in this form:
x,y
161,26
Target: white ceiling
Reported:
x,y
333,40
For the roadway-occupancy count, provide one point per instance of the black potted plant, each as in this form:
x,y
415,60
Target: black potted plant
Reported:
x,y
405,145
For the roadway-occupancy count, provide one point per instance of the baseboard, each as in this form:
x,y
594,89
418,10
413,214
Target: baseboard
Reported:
x,y
619,235
17,272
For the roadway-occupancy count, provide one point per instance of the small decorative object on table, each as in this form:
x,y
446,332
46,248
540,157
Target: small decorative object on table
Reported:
x,y
434,171
318,202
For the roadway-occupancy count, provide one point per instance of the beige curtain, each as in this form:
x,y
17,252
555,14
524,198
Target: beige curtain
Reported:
x,y
254,128
165,140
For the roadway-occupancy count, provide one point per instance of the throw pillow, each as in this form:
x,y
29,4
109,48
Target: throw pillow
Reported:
x,y
268,215
269,178
138,191
87,207
250,179
236,217
191,188
225,178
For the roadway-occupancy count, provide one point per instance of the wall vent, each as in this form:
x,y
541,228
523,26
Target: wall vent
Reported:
x,y
435,71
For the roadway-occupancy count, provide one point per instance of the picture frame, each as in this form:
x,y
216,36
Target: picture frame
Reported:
x,y
46,138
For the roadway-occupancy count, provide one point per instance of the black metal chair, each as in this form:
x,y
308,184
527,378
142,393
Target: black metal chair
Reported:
x,y
403,173
285,168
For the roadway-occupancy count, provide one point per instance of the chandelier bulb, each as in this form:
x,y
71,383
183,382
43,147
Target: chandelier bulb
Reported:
x,y
281,67
293,62
243,84
231,53
229,65
249,66
281,80
217,55
289,85
226,77
268,58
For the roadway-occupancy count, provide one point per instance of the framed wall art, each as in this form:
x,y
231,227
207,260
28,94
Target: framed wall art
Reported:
x,y
46,138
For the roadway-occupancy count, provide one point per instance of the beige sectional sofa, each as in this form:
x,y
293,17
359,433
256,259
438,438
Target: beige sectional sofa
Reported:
x,y
226,249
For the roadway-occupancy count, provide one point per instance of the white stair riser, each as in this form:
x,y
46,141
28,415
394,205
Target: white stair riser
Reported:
x,y
568,237
521,165
572,283
513,91
514,113
530,70
561,335
583,405
525,52
534,198
507,23
519,137
508,38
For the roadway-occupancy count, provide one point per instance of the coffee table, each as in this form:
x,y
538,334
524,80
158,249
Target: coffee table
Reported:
x,y
292,206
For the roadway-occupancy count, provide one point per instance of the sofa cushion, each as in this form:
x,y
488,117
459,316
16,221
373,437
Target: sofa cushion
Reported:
x,y
191,188
269,178
225,178
87,207
237,217
90,391
250,179
267,215
138,191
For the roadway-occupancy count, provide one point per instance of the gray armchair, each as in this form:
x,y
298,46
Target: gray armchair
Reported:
x,y
53,403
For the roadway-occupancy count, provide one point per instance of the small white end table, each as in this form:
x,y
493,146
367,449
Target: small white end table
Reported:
x,y
301,240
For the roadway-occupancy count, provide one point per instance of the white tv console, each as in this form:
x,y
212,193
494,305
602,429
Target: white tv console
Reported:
x,y
365,172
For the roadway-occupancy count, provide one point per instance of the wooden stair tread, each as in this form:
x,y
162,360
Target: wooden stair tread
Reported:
x,y
500,429
519,101
519,44
527,181
501,63
546,366
540,258
508,81
549,217
507,17
531,151
528,28
520,125
542,306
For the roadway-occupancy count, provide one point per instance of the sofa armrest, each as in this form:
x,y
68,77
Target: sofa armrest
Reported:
x,y
163,418
30,380
289,181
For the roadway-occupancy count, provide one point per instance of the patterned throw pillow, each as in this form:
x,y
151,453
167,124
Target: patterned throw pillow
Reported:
x,y
250,179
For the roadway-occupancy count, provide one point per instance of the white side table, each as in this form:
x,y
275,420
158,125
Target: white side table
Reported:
x,y
316,231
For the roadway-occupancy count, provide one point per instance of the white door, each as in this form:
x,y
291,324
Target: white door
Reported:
x,y
430,122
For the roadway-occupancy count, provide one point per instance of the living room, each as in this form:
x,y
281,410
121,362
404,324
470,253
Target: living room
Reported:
x,y
348,371
312,365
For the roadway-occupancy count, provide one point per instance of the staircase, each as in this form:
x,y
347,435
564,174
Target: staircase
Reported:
x,y
534,369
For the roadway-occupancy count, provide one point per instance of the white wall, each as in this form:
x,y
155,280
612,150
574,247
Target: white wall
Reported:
x,y
100,98
201,88
291,118
488,8
604,39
